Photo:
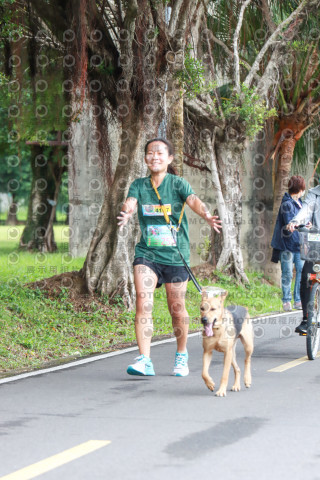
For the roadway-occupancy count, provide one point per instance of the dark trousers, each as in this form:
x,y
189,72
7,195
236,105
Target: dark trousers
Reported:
x,y
305,289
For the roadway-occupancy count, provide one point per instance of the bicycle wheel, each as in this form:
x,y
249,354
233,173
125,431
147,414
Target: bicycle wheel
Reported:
x,y
313,322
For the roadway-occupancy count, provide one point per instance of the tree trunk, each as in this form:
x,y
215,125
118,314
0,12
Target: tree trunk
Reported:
x,y
285,158
225,170
137,102
108,266
175,114
57,171
175,124
291,129
12,213
87,182
39,211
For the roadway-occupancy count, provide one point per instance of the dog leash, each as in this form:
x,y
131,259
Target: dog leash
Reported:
x,y
174,231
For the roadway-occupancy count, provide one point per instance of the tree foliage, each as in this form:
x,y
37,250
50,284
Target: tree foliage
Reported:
x,y
248,108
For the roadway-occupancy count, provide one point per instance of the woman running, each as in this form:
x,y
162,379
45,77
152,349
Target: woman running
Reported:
x,y
157,260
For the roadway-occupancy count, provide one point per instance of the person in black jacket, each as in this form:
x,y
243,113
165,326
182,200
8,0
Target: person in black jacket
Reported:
x,y
286,244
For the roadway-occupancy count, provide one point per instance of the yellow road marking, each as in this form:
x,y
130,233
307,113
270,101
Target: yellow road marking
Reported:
x,y
288,365
55,461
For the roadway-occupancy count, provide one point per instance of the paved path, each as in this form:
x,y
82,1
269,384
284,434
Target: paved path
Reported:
x,y
166,427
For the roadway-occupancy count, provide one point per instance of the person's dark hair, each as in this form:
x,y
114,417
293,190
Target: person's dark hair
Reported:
x,y
296,184
170,149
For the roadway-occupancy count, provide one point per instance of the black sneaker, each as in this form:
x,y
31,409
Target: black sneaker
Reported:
x,y
302,328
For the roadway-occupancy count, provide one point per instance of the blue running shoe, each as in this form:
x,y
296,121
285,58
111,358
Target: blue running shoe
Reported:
x,y
142,366
181,368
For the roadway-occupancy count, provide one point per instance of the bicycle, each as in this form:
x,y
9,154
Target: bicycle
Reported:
x,y
310,251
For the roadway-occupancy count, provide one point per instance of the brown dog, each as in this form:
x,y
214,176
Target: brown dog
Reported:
x,y
222,328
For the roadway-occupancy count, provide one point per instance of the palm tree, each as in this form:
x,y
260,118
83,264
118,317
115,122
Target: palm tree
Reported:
x,y
298,109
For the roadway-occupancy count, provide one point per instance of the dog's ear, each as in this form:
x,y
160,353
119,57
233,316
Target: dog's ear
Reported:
x,y
224,295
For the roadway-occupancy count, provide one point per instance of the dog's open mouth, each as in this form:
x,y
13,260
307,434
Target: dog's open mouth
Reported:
x,y
208,329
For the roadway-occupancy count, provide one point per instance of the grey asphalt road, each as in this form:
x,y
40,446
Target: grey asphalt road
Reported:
x,y
166,427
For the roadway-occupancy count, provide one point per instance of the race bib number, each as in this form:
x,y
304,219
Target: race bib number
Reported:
x,y
159,236
155,210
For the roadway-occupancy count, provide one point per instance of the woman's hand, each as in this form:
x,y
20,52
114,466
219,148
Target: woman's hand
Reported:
x,y
123,218
127,210
213,221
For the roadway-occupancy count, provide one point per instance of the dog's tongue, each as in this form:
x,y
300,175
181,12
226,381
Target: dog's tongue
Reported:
x,y
208,330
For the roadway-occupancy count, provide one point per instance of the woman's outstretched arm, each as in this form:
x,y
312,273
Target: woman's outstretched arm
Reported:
x,y
200,209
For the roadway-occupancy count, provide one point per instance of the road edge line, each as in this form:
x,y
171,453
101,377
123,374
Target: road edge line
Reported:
x,y
84,361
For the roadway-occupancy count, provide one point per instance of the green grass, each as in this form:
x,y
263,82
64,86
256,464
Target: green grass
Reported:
x,y
22,267
36,328
23,213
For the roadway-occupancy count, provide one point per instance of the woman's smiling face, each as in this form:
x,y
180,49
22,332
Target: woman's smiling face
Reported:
x,y
157,157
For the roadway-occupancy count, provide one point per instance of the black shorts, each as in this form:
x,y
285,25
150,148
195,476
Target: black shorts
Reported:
x,y
165,273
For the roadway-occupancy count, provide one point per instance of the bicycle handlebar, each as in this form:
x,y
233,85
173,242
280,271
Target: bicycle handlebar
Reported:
x,y
304,228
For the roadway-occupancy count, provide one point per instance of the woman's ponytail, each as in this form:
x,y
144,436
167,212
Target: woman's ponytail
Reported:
x,y
171,169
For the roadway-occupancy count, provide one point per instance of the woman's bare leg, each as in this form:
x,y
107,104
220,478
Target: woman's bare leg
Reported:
x,y
145,281
176,293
